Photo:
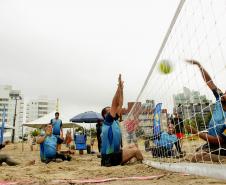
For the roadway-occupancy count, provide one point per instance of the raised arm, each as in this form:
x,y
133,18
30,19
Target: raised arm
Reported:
x,y
205,75
48,132
205,136
119,109
115,106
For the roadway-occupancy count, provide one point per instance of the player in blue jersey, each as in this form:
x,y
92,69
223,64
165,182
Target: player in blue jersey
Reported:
x,y
112,154
216,136
48,146
57,130
165,142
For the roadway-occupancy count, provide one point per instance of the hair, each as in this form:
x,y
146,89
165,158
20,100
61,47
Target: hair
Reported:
x,y
104,111
49,124
57,113
224,101
170,121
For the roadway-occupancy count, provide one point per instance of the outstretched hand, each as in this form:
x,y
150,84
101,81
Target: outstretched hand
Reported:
x,y
194,62
120,82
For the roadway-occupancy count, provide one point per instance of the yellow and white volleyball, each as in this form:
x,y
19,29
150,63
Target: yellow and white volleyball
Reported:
x,y
165,67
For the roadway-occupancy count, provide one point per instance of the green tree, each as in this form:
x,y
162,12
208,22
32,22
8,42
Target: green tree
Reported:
x,y
199,121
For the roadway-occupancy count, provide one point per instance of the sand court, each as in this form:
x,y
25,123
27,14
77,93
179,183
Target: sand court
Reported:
x,y
85,168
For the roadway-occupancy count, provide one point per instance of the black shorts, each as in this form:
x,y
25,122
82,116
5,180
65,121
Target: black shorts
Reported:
x,y
113,159
59,140
213,149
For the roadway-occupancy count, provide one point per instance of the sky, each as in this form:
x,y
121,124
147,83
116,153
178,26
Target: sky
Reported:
x,y
74,50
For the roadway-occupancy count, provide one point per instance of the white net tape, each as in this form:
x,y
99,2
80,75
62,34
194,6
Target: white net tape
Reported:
x,y
199,33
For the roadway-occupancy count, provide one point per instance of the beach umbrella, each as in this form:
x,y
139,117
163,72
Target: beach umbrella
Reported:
x,y
87,117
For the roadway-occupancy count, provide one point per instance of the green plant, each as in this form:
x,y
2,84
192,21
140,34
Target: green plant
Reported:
x,y
199,121
93,132
36,132
79,129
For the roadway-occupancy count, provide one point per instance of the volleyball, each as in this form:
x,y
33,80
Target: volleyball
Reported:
x,y
165,67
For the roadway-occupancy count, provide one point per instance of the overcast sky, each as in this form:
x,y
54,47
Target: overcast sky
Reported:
x,y
74,50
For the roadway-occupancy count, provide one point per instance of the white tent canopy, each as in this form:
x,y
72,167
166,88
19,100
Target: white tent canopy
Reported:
x,y
41,122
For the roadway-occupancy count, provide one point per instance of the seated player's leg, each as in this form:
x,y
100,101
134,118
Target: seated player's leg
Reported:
x,y
7,160
63,157
213,149
159,151
205,157
129,152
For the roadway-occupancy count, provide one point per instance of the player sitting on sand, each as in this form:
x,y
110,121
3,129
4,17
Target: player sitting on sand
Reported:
x,y
48,146
111,152
216,136
165,143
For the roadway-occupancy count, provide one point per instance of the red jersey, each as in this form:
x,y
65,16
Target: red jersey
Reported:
x,y
131,125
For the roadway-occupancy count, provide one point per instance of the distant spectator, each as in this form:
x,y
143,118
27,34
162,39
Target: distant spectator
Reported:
x,y
131,127
99,130
33,142
57,130
68,138
132,123
179,126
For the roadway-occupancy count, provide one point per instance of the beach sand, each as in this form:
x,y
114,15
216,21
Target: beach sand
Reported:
x,y
85,167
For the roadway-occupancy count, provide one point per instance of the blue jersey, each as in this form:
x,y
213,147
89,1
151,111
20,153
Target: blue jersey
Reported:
x,y
48,148
57,124
217,124
166,140
110,136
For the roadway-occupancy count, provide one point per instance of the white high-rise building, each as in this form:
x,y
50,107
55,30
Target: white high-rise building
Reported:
x,y
190,103
188,96
7,99
39,108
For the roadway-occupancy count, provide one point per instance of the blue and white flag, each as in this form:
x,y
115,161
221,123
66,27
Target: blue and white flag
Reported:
x,y
3,125
157,124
